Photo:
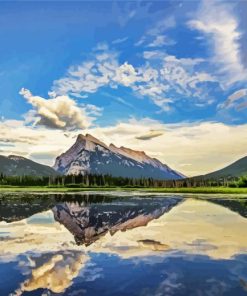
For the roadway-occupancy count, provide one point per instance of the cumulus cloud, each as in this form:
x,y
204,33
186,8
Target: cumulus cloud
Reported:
x,y
216,20
59,112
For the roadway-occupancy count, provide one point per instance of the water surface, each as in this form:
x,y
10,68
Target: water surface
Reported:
x,y
56,244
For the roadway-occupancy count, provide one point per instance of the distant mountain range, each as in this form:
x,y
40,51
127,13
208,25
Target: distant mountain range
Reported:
x,y
236,169
90,155
13,165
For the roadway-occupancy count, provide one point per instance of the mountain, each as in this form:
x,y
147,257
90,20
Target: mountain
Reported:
x,y
90,155
13,165
236,169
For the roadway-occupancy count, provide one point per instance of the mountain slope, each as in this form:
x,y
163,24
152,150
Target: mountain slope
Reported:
x,y
90,155
13,165
236,169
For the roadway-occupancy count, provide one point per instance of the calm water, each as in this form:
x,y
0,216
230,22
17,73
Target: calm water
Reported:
x,y
116,245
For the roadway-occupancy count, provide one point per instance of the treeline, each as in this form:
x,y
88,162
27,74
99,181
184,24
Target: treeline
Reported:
x,y
92,180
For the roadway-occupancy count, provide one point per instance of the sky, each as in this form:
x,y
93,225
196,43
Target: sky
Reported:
x,y
166,77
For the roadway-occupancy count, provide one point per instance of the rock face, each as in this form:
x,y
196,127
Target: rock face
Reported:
x,y
14,165
88,222
90,155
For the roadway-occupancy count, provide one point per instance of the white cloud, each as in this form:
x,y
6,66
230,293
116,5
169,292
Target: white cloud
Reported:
x,y
216,20
31,140
124,102
156,33
140,41
89,76
233,100
183,61
238,95
120,40
93,110
176,75
161,40
59,112
159,75
125,75
162,25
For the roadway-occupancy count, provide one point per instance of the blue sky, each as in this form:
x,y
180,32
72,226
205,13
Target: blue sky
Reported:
x,y
112,62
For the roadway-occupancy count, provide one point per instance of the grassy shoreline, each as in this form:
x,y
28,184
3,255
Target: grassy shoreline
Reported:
x,y
203,190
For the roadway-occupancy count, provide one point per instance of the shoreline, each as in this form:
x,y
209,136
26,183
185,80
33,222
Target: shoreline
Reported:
x,y
199,190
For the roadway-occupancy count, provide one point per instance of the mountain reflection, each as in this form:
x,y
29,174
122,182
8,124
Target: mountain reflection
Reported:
x,y
162,248
236,205
88,222
18,206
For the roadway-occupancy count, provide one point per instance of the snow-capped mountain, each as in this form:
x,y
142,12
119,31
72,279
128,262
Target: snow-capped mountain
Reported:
x,y
90,155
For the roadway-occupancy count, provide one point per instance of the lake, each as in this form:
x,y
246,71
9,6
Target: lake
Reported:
x,y
122,244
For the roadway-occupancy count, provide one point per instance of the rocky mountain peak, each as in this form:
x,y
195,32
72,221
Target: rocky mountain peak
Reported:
x,y
89,138
90,155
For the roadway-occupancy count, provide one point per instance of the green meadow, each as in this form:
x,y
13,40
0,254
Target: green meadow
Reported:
x,y
204,190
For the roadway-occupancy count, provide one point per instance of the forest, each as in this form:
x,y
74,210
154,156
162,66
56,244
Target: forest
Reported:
x,y
93,180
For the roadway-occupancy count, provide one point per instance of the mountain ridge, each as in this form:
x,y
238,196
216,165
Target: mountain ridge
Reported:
x,y
14,165
237,168
90,155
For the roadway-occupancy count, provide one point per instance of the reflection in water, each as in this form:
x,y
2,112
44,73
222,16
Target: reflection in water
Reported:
x,y
18,206
14,208
236,205
153,245
160,246
89,223
55,274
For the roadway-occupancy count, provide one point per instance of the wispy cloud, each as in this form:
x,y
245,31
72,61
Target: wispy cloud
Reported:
x,y
162,26
160,41
120,40
237,100
155,36
216,20
124,102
